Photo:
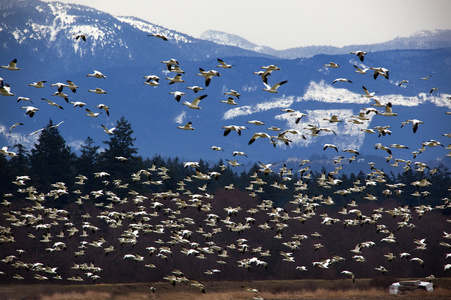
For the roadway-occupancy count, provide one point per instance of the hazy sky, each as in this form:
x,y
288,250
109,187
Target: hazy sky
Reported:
x,y
289,23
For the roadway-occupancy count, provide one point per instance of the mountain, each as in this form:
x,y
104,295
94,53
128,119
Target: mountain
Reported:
x,y
42,37
424,39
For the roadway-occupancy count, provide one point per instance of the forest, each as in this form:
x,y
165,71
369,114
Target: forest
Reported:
x,y
166,219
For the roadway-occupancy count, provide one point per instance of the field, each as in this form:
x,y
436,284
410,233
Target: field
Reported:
x,y
376,288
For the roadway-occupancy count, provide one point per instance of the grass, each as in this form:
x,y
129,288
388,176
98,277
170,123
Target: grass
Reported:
x,y
224,290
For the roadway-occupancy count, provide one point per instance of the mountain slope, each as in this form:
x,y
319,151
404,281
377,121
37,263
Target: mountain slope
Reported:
x,y
120,48
420,40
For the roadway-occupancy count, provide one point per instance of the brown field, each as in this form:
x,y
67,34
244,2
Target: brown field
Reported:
x,y
225,290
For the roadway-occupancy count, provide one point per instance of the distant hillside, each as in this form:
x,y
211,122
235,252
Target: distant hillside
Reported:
x,y
421,40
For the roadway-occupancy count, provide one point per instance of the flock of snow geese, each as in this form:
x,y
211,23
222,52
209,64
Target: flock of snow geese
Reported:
x,y
165,220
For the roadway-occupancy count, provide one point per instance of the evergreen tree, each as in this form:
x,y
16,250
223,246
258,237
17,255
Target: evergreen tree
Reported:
x,y
51,160
119,158
87,163
20,164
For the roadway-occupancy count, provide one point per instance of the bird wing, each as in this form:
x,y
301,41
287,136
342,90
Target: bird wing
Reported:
x,y
197,100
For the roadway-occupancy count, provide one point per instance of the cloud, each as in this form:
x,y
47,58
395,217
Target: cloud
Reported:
x,y
18,138
180,118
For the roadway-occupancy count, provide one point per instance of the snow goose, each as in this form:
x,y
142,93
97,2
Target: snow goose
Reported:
x,y
229,128
170,63
73,87
104,107
80,36
233,93
6,90
195,103
208,75
49,102
151,80
360,54
360,70
229,101
239,153
258,135
377,104
223,65
332,65
333,119
96,74
14,126
380,71
388,111
367,93
187,126
78,103
59,86
158,36
256,122
176,69
177,95
92,114
402,82
195,88
341,80
264,75
151,83
330,146
62,95
433,89
30,110
24,99
426,78
415,124
270,68
12,65
273,89
176,79
97,91
216,148
109,131
39,84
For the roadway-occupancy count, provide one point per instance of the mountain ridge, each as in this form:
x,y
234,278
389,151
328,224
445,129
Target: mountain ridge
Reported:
x,y
119,47
424,39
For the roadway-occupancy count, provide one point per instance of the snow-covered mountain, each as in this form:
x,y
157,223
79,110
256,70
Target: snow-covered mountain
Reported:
x,y
42,38
425,39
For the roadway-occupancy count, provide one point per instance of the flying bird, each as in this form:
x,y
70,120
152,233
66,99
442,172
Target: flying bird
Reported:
x,y
105,107
341,80
92,114
360,54
80,36
273,89
158,36
195,103
14,126
109,131
30,110
176,79
187,126
39,84
177,95
96,74
12,65
49,102
223,65
208,75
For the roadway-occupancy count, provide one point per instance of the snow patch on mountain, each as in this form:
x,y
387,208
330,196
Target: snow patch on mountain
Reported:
x,y
155,29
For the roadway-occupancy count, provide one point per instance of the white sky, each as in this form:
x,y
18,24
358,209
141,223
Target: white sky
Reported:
x,y
289,23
